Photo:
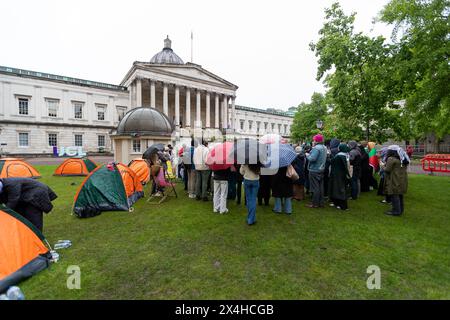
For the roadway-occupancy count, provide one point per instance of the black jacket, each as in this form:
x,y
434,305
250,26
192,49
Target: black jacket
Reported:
x,y
19,191
222,175
282,186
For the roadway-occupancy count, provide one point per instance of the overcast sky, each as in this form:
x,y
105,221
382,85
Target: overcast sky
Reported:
x,y
261,46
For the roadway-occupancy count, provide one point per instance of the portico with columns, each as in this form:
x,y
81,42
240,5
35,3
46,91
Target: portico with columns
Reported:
x,y
189,95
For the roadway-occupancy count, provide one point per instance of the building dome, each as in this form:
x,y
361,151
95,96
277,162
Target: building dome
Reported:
x,y
145,121
166,56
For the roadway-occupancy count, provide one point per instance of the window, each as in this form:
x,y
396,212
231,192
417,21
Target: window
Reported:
x,y
52,139
242,124
273,127
78,140
101,112
101,141
279,128
285,128
52,106
121,112
78,110
265,126
136,145
250,125
23,106
23,139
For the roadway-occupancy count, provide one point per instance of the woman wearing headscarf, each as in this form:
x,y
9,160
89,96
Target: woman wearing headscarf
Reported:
x,y
365,168
381,185
299,166
396,186
334,146
339,177
355,162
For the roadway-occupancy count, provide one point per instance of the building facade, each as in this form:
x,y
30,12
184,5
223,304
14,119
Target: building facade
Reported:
x,y
40,111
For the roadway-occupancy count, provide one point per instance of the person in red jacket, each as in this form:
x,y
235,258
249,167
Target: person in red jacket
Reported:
x,y
409,151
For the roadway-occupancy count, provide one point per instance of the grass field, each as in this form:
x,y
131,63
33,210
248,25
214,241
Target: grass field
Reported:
x,y
181,250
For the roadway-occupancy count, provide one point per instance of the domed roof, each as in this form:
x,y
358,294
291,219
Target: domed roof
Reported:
x,y
166,56
145,121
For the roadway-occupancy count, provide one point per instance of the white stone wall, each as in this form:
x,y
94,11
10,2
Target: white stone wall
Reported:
x,y
246,116
39,124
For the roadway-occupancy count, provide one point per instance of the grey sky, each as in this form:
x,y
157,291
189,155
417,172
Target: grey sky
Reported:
x,y
261,46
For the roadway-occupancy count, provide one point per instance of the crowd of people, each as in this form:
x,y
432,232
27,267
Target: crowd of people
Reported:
x,y
326,172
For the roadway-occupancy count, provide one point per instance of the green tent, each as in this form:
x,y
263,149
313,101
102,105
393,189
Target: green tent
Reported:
x,y
102,190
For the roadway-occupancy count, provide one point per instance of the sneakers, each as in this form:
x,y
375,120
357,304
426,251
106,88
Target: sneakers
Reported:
x,y
390,213
331,204
224,212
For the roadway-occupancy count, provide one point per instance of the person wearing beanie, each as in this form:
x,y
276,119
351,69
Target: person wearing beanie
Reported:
x,y
316,167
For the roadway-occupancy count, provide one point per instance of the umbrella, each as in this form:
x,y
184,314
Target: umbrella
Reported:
x,y
154,148
219,157
249,151
272,138
280,155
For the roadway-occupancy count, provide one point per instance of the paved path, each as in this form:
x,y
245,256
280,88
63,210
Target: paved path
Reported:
x,y
56,161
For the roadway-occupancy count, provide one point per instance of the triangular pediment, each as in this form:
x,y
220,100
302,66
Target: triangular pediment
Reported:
x,y
187,71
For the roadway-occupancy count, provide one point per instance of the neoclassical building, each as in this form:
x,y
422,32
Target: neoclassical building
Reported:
x,y
40,111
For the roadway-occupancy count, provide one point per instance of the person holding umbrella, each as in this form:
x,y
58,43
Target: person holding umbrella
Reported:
x,y
280,157
219,162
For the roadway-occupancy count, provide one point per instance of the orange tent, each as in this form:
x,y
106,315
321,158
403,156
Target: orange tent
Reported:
x,y
14,167
130,180
23,251
140,167
75,167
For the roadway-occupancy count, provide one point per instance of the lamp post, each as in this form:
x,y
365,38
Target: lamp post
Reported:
x,y
319,124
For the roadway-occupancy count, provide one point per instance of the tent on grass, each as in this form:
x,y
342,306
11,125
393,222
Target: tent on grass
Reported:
x,y
17,168
141,168
22,249
75,167
112,187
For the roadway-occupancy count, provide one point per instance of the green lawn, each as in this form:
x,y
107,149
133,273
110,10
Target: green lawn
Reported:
x,y
181,250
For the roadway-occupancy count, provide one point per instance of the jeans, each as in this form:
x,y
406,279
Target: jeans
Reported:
x,y
283,203
251,192
201,183
220,195
316,188
355,185
397,204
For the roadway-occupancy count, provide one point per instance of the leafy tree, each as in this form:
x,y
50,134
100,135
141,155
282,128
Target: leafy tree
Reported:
x,y
304,125
422,73
357,71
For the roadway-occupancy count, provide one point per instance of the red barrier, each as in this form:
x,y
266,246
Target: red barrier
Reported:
x,y
436,163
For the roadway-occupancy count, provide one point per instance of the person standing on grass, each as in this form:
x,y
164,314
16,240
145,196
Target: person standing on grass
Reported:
x,y
251,174
316,166
28,197
282,191
299,166
220,178
355,162
395,170
188,163
264,190
365,167
339,178
202,171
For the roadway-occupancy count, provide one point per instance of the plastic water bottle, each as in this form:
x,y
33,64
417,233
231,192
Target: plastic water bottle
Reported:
x,y
61,245
55,256
14,293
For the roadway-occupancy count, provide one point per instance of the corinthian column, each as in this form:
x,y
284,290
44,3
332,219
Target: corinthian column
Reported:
x,y
139,92
216,114
165,99
177,107
198,112
188,107
152,94
208,111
